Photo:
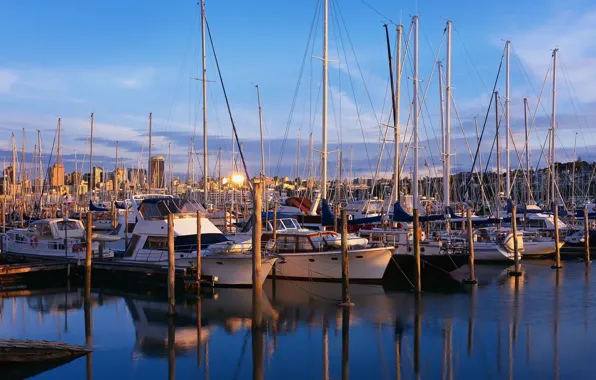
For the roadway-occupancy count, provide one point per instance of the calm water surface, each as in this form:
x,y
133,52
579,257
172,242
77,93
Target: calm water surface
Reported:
x,y
539,327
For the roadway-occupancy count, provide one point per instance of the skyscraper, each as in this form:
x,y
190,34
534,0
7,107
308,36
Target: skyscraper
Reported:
x,y
156,172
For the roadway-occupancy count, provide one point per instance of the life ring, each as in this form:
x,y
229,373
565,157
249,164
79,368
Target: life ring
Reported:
x,y
76,248
33,242
399,226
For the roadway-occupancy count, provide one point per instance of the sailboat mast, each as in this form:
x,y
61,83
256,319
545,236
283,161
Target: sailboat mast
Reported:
x,y
497,203
325,95
444,152
395,190
205,150
149,176
529,184
552,133
23,174
116,184
397,127
91,174
447,199
507,125
262,147
415,116
40,161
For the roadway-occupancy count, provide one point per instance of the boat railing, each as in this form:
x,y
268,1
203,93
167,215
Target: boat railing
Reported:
x,y
161,254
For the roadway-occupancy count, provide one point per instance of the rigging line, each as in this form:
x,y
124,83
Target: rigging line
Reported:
x,y
464,196
358,113
377,12
228,105
297,88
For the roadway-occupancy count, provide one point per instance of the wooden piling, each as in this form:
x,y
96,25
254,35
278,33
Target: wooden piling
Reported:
x,y
171,267
418,266
516,271
114,215
557,264
198,249
587,234
171,346
257,285
89,247
345,265
274,269
472,278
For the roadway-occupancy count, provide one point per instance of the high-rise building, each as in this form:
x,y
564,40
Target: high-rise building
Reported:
x,y
137,176
156,172
57,175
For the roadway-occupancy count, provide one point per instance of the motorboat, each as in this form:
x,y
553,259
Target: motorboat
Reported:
x,y
149,242
57,239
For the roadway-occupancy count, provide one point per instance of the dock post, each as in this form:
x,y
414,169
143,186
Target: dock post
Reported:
x,y
171,267
472,279
557,264
126,229
114,215
89,250
345,265
4,211
274,269
587,234
516,272
257,285
198,250
417,274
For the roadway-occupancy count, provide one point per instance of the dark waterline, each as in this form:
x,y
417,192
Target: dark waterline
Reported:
x,y
539,327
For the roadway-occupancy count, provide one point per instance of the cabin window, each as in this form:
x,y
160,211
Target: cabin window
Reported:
x,y
20,239
536,223
132,245
156,242
69,225
304,244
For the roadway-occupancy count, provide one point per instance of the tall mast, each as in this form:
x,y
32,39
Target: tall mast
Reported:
x,y
497,203
395,190
170,166
58,151
507,126
91,174
415,116
554,123
40,161
397,127
149,177
443,136
23,174
325,80
205,151
13,176
447,119
116,184
529,184
264,203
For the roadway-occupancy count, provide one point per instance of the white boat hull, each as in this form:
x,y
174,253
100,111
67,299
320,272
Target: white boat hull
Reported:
x,y
365,265
540,248
230,270
491,252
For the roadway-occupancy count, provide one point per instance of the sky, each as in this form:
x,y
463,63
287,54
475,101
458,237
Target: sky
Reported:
x,y
124,59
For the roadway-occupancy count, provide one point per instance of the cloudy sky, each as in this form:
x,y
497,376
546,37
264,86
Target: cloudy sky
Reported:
x,y
124,59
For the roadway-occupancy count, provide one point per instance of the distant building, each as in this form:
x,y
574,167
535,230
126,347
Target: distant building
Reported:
x,y
57,175
137,176
156,172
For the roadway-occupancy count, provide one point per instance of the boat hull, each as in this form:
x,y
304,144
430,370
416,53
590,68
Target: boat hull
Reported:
x,y
539,248
365,265
491,253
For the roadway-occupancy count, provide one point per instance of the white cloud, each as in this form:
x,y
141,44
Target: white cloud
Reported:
x,y
7,80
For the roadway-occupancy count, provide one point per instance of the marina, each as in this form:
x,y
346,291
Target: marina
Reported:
x,y
410,203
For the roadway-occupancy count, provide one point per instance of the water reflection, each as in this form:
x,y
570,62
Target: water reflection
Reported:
x,y
533,326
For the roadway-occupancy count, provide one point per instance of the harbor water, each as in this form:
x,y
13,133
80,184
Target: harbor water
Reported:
x,y
537,326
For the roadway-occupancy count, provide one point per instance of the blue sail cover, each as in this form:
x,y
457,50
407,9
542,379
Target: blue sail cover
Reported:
x,y
121,205
400,215
327,217
93,207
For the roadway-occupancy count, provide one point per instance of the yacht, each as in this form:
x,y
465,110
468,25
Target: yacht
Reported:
x,y
149,242
58,239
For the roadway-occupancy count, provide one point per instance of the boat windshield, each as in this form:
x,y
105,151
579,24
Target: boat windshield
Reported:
x,y
69,225
162,207
287,224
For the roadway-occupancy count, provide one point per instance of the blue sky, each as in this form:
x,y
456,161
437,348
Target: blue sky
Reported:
x,y
123,59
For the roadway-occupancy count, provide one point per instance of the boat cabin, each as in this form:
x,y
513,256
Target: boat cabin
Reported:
x,y
56,229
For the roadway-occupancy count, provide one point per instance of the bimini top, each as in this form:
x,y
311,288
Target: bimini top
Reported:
x,y
161,207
